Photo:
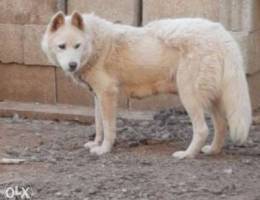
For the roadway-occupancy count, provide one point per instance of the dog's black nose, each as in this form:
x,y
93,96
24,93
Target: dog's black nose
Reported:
x,y
73,66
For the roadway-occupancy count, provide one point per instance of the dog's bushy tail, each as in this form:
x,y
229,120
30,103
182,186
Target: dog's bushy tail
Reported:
x,y
238,111
235,99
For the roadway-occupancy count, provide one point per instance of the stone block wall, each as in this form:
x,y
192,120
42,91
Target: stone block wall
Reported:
x,y
120,11
26,75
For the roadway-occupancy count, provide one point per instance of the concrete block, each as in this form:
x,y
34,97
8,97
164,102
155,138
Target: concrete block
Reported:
x,y
33,54
62,112
11,43
254,87
243,40
40,111
155,103
250,46
28,11
123,11
255,45
27,84
255,25
154,9
243,15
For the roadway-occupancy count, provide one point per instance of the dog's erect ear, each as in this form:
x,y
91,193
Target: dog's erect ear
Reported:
x,y
57,21
77,20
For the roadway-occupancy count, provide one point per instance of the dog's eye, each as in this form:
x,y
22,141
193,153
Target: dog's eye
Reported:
x,y
62,46
77,46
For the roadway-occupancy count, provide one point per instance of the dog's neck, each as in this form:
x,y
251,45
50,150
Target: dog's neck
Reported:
x,y
101,33
97,58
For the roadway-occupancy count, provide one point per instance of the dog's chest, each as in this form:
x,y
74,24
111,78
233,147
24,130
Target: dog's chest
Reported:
x,y
82,81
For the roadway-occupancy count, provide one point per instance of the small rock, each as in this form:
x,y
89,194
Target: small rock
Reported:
x,y
66,195
58,194
228,171
78,190
37,134
256,120
11,161
52,160
166,135
34,159
92,190
144,123
182,184
38,150
247,161
146,163
16,117
172,123
120,123
133,143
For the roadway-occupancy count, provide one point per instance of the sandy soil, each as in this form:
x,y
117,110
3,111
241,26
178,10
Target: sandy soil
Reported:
x,y
57,166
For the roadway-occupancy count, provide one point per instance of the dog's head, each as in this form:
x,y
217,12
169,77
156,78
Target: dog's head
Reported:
x,y
66,42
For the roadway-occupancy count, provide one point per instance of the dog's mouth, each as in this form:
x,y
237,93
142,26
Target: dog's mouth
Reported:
x,y
72,70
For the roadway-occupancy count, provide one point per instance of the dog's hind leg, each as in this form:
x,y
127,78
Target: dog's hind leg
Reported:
x,y
200,130
194,102
99,127
220,130
108,107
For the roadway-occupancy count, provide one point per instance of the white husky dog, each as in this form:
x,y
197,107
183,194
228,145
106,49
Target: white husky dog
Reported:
x,y
194,58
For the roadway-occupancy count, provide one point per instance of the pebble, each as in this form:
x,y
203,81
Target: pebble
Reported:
x,y
228,171
120,123
93,190
37,134
16,117
246,161
78,190
144,123
58,194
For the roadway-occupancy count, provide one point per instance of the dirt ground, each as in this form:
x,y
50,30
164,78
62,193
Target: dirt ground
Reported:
x,y
57,166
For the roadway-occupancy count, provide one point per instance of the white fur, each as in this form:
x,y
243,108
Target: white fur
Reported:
x,y
195,58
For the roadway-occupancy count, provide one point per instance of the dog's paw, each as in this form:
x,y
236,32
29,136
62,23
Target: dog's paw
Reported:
x,y
100,150
91,144
182,155
208,150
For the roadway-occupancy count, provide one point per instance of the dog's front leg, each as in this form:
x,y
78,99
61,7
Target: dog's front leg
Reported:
x,y
99,126
108,106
